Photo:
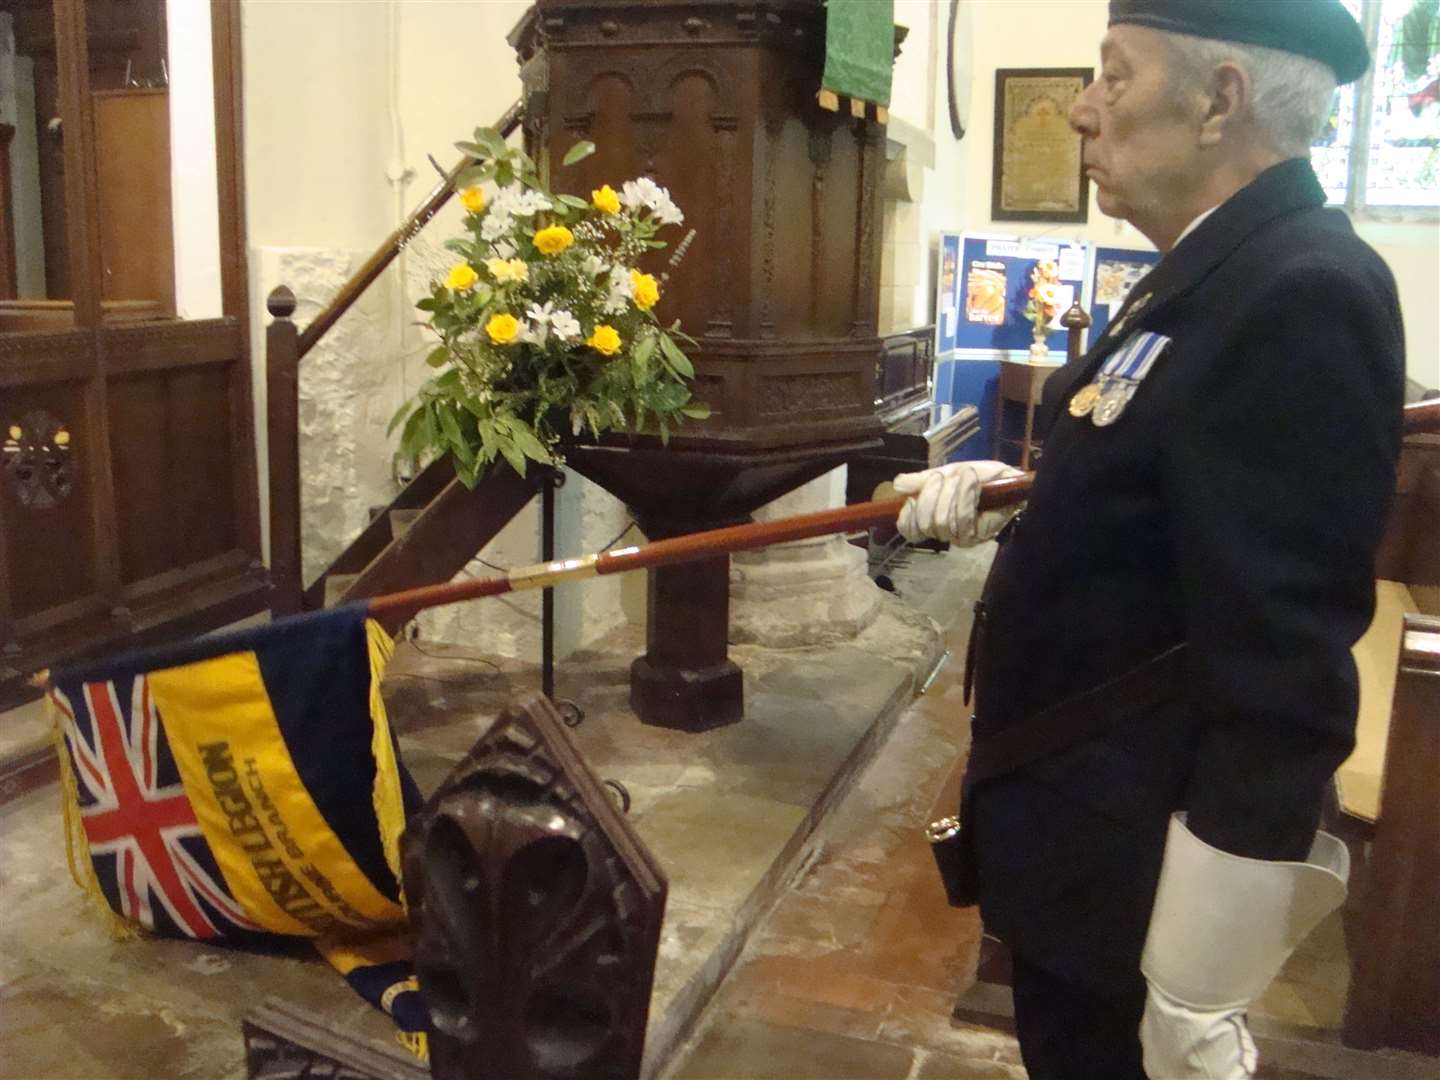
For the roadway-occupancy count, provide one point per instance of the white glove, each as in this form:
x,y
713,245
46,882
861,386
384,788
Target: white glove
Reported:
x,y
1180,1042
1221,929
943,501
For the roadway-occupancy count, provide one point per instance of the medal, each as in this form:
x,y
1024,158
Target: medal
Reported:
x,y
1112,403
1084,401
1120,377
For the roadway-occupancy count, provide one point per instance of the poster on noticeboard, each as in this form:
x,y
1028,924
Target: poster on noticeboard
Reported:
x,y
983,284
1115,274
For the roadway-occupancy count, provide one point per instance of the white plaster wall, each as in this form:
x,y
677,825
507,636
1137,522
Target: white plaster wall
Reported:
x,y
194,188
343,103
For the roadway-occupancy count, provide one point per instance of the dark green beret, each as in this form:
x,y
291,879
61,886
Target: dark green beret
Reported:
x,y
1320,29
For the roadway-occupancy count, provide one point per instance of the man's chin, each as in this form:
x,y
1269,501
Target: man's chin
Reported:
x,y
1111,206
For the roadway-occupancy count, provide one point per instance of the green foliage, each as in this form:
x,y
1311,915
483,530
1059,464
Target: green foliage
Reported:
x,y
519,368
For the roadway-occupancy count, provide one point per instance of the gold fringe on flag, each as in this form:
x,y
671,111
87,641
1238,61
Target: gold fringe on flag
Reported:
x,y
388,801
417,1042
77,845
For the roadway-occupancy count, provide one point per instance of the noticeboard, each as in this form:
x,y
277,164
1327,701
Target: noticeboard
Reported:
x,y
983,284
1114,274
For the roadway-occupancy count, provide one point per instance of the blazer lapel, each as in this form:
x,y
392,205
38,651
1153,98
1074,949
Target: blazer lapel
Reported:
x,y
1280,190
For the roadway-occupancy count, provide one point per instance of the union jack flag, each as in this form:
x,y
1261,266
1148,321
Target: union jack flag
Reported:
x,y
150,857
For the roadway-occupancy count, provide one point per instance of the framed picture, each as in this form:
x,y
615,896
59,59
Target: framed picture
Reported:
x,y
1038,174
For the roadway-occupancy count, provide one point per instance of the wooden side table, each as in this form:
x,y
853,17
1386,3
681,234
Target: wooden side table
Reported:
x,y
1021,382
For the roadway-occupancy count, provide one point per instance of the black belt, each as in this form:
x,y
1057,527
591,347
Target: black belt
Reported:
x,y
1077,719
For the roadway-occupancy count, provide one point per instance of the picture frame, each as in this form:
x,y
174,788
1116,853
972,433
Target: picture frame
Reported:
x,y
1038,174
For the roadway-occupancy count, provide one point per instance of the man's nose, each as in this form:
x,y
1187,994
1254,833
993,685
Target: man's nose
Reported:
x,y
1083,116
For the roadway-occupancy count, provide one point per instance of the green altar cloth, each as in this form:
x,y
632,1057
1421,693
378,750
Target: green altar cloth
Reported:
x,y
860,48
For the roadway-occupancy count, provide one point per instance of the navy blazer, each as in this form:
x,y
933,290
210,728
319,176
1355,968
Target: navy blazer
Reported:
x,y
1236,505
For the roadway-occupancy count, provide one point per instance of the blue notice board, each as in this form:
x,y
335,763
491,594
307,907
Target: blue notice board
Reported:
x,y
984,284
1114,273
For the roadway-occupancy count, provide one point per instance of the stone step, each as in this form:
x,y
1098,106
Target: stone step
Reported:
x,y
401,520
336,586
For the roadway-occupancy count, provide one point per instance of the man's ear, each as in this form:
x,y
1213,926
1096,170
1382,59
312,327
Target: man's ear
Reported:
x,y
1226,99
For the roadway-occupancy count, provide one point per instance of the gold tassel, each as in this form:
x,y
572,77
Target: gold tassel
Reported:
x,y
77,845
388,801
417,1042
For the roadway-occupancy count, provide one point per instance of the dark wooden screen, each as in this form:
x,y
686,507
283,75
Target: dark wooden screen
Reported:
x,y
128,505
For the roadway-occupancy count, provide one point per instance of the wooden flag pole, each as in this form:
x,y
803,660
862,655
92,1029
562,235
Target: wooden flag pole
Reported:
x,y
1422,416
397,607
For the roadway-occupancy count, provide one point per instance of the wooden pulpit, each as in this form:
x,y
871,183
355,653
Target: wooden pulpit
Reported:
x,y
717,102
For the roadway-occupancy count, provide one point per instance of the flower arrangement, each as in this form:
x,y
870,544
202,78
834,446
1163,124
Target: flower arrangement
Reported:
x,y
546,324
1044,297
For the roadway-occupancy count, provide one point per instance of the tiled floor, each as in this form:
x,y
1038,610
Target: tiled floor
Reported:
x,y
855,971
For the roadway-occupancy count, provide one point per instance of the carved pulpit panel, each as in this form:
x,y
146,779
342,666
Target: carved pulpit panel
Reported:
x,y
537,912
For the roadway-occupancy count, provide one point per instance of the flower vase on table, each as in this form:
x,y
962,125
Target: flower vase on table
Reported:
x,y
1043,304
546,325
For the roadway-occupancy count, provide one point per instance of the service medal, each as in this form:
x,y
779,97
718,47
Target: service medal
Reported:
x,y
1084,401
1112,403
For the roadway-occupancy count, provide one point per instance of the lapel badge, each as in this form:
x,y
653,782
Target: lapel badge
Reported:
x,y
1119,323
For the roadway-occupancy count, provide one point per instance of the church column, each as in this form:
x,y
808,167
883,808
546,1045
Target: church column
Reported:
x,y
807,592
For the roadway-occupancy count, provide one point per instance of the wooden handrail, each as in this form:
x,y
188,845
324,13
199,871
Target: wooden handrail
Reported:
x,y
285,346
396,241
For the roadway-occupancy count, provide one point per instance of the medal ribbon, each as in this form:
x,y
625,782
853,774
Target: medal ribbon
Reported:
x,y
1135,358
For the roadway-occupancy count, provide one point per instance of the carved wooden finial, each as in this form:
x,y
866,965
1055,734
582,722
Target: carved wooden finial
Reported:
x,y
1077,316
1075,321
281,302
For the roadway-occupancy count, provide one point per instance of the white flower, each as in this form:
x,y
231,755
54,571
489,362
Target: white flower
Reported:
x,y
644,193
620,290
538,325
565,326
544,320
594,265
494,226
518,201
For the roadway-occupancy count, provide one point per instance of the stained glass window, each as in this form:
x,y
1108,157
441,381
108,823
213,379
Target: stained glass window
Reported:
x,y
1402,157
1405,126
1331,152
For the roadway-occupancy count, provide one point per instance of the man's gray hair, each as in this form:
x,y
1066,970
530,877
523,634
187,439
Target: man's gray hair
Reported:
x,y
1290,95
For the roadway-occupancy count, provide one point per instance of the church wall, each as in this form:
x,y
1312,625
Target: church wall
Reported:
x,y
1069,36
343,104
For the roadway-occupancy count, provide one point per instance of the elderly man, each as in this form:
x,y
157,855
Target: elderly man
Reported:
x,y
1161,656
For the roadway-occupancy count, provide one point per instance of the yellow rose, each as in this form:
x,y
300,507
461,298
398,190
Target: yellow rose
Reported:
x,y
461,277
554,239
646,289
473,199
62,437
502,328
507,269
605,340
606,200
